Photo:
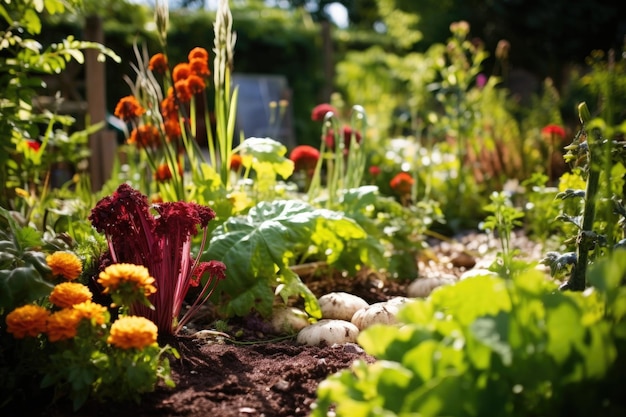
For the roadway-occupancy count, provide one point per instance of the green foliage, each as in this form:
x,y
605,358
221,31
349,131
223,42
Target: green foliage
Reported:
x,y
502,220
518,348
260,247
599,218
400,229
541,208
23,267
93,370
267,158
23,62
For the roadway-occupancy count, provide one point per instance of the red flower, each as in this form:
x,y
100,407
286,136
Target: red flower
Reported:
x,y
402,183
553,131
374,170
304,158
33,144
347,133
158,63
128,108
319,111
235,162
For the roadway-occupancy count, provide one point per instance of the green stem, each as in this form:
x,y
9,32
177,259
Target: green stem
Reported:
x,y
578,280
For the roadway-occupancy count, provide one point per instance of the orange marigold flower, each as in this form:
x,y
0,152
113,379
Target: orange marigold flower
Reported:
x,y
133,332
145,136
63,324
67,294
158,63
91,311
319,111
117,275
235,162
402,183
553,131
163,173
304,158
182,91
198,53
199,67
29,320
181,71
128,108
65,264
195,84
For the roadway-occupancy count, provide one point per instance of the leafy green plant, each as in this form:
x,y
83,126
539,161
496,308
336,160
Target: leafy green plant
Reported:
x,y
265,157
504,218
518,348
24,162
400,229
540,208
260,247
23,267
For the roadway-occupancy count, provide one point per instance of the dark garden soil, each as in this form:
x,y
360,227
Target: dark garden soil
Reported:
x,y
218,378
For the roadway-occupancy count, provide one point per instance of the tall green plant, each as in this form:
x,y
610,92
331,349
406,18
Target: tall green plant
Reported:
x,y
503,219
602,212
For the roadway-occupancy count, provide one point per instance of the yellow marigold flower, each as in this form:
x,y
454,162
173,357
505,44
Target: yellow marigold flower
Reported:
x,y
118,274
132,332
91,311
63,324
67,294
66,264
28,320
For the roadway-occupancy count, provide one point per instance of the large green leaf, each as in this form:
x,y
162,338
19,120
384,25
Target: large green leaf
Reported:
x,y
20,286
266,156
258,249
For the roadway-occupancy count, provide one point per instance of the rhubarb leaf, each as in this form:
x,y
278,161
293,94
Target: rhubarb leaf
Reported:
x,y
259,248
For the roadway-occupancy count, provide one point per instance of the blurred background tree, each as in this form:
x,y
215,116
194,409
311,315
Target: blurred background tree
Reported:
x,y
547,38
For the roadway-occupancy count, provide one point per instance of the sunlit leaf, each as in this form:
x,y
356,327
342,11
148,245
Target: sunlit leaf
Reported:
x,y
263,244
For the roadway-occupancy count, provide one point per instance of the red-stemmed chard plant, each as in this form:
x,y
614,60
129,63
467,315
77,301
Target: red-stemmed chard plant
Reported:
x,y
162,243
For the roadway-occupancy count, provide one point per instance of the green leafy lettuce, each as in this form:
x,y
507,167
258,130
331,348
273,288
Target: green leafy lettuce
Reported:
x,y
489,346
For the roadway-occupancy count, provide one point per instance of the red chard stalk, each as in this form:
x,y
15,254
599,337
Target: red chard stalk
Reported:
x,y
161,242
